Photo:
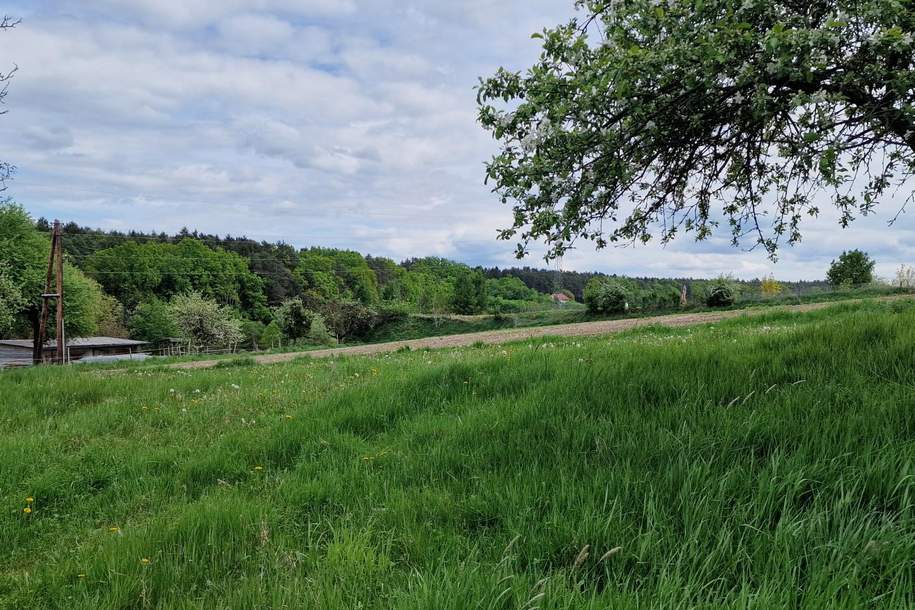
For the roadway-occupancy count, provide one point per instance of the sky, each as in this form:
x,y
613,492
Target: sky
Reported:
x,y
340,123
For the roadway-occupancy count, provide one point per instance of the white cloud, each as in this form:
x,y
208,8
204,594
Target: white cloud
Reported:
x,y
311,121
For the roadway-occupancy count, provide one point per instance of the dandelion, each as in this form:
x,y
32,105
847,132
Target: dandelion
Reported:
x,y
289,417
145,561
27,510
258,468
30,499
114,529
80,575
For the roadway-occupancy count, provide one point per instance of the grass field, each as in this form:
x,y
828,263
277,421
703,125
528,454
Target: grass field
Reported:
x,y
758,463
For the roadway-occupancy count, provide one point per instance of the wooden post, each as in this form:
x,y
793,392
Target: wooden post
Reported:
x,y
56,251
61,337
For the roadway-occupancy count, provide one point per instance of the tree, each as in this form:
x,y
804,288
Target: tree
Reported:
x,y
606,295
272,336
25,252
152,322
720,295
641,117
294,319
905,277
470,294
135,273
11,300
770,287
853,268
202,322
348,319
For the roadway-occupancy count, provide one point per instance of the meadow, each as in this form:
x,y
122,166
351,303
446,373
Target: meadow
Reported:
x,y
766,462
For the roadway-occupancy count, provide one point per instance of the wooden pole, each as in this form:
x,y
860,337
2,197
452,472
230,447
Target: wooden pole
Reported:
x,y
38,355
61,336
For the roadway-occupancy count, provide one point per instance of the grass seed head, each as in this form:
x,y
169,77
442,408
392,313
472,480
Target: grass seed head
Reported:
x,y
582,556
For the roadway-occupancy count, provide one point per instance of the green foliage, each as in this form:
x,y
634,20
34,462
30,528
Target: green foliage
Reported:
x,y
294,319
272,336
640,117
606,295
720,296
756,464
470,294
253,331
110,317
135,273
152,322
25,252
511,289
853,268
318,333
338,274
348,319
204,323
11,300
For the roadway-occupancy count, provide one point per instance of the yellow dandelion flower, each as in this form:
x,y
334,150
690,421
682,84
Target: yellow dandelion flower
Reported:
x,y
80,575
30,499
258,468
145,561
289,417
27,510
114,529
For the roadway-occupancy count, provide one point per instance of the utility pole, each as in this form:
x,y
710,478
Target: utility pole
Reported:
x,y
55,267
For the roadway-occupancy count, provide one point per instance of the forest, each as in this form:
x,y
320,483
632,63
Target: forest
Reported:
x,y
210,290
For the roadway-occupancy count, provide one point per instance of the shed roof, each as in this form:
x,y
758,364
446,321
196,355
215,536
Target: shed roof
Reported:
x,y
85,342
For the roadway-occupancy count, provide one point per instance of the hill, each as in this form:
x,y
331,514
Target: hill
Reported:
x,y
763,462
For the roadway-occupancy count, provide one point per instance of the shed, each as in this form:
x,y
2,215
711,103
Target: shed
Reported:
x,y
15,352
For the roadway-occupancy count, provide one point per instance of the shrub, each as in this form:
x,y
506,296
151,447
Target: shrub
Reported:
x,y
202,322
720,295
294,319
253,331
854,268
770,287
470,294
606,295
152,322
272,336
318,332
348,319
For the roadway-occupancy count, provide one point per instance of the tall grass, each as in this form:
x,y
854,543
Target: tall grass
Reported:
x,y
759,463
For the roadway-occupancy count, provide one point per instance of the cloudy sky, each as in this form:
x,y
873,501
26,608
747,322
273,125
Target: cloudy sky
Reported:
x,y
345,123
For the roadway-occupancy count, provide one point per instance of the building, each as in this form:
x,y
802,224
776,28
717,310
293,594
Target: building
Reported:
x,y
18,352
561,297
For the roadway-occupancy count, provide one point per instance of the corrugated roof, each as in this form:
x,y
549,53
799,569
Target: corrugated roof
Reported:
x,y
78,342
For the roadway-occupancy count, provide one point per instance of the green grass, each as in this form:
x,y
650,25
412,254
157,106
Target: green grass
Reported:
x,y
418,327
757,463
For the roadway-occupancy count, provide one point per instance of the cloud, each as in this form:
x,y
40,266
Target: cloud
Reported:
x,y
324,122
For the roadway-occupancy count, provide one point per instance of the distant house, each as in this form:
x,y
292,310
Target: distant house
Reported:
x,y
18,352
561,297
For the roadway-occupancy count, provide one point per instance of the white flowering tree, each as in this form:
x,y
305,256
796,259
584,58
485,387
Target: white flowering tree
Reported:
x,y
204,323
649,118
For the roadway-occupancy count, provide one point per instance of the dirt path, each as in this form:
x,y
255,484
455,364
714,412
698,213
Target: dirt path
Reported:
x,y
580,329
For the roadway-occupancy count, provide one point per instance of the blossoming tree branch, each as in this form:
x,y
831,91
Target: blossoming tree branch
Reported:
x,y
645,119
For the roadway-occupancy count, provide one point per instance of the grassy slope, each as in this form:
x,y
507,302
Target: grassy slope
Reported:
x,y
763,463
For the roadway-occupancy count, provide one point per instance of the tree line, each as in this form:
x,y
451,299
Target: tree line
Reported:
x,y
206,289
